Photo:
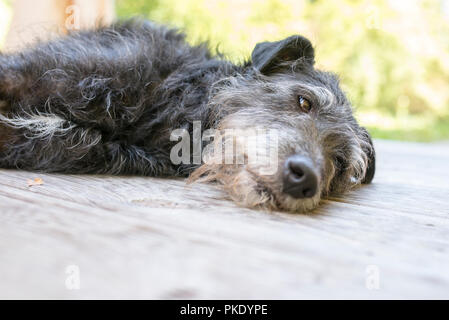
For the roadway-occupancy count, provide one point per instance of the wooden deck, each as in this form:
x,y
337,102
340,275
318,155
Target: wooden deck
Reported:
x,y
154,238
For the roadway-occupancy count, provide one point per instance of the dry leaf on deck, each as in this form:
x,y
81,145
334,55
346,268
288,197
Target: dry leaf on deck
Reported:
x,y
35,182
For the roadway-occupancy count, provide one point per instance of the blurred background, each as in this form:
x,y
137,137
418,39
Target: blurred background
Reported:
x,y
392,56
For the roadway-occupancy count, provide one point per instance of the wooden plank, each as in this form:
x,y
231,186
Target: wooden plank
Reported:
x,y
136,237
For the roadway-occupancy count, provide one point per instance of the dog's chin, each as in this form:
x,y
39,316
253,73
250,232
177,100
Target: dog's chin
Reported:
x,y
260,197
288,203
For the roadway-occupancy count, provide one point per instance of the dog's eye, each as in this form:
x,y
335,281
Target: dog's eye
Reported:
x,y
304,104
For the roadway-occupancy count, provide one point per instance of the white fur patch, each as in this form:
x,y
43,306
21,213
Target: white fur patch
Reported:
x,y
39,125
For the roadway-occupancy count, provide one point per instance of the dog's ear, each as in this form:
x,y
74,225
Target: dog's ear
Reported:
x,y
267,55
369,175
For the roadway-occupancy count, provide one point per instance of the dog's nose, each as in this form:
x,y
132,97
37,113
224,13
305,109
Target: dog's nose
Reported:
x,y
299,177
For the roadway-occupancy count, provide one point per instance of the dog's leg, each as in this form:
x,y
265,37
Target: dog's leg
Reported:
x,y
47,143
51,144
35,142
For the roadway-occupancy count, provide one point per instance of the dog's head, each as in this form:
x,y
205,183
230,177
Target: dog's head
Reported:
x,y
311,142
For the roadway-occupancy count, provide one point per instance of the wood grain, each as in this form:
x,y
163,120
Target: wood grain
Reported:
x,y
135,237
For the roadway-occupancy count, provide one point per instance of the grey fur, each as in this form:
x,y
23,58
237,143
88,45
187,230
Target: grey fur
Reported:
x,y
106,101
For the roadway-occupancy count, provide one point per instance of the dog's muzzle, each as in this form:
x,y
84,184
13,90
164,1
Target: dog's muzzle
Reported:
x,y
299,177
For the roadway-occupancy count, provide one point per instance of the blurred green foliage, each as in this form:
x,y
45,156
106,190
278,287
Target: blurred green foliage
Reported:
x,y
392,56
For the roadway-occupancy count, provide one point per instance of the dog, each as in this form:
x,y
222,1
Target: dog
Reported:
x,y
107,101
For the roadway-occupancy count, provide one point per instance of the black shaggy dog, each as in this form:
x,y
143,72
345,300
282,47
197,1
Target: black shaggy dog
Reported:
x,y
107,101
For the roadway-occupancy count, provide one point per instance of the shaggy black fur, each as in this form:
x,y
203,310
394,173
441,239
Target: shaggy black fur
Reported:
x,y
122,89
